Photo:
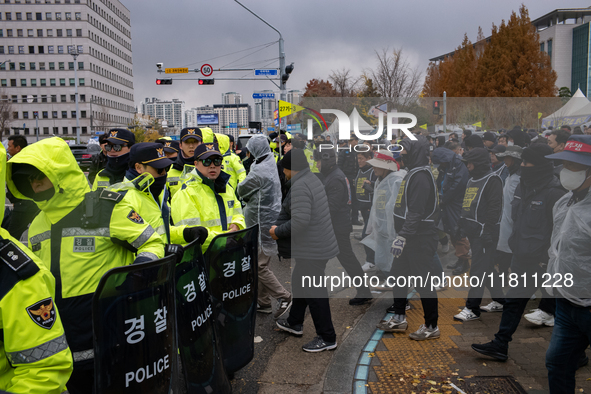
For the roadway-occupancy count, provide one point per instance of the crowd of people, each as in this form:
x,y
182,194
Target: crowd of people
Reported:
x,y
510,203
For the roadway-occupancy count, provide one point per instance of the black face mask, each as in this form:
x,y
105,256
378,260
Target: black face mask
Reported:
x,y
118,164
531,176
44,195
157,186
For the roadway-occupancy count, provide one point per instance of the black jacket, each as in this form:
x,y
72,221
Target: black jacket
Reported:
x,y
348,163
451,182
305,219
337,193
420,191
531,212
98,162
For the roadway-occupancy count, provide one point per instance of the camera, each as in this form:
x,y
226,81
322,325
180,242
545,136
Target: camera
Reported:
x,y
159,65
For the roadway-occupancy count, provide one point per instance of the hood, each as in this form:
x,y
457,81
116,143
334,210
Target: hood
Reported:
x,y
207,135
417,152
328,158
53,157
443,156
481,160
258,146
2,178
223,143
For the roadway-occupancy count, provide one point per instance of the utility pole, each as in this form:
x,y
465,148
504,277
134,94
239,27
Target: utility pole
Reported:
x,y
444,112
74,52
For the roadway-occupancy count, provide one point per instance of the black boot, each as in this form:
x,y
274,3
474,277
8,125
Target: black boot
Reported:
x,y
463,266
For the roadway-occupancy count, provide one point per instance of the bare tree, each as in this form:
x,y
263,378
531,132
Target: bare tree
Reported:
x,y
394,78
5,113
344,82
102,121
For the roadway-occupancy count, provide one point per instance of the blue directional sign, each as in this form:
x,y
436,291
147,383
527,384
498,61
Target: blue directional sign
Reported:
x,y
270,128
263,95
265,72
233,125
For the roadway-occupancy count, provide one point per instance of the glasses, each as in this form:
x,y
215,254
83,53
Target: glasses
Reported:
x,y
116,148
36,177
162,170
216,162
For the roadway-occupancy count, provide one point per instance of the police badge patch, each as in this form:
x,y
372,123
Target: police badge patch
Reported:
x,y
135,217
231,204
43,313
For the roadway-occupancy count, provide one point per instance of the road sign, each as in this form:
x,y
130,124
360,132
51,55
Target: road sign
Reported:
x,y
265,72
270,128
233,125
30,99
293,127
263,95
206,70
176,70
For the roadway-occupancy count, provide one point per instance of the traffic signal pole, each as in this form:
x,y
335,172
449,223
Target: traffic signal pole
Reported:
x,y
444,111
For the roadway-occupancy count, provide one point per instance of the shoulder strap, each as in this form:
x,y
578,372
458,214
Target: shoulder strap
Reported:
x,y
15,265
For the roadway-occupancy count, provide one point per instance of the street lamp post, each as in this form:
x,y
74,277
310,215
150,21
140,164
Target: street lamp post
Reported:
x,y
74,52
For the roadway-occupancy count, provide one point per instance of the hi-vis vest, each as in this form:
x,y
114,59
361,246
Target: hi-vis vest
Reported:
x,y
469,216
401,206
362,176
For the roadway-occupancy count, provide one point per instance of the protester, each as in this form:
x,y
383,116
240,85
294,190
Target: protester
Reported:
x,y
380,229
347,162
489,139
479,221
47,173
516,136
557,141
415,214
119,141
451,184
363,188
338,194
532,206
473,141
261,190
313,243
498,166
503,140
36,357
569,255
512,159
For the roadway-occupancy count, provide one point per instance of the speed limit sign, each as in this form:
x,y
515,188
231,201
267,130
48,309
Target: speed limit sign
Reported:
x,y
206,70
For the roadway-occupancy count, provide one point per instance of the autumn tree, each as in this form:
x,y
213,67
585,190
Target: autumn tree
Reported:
x,y
512,64
320,88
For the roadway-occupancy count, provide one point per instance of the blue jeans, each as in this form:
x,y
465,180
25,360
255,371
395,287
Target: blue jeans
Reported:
x,y
570,338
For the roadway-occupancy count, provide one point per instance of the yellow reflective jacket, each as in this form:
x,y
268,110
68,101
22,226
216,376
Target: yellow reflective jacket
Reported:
x,y
34,354
199,204
309,152
155,210
94,231
232,163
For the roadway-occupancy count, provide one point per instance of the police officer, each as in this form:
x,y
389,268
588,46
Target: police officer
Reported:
x,y
191,138
79,236
146,181
171,149
415,213
118,144
207,199
37,357
480,220
232,164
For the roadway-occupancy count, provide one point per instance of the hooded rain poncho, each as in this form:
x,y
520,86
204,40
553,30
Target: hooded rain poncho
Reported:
x,y
261,190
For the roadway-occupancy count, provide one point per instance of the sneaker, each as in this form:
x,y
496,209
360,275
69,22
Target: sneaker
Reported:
x,y
368,266
264,308
466,315
462,267
283,308
408,306
491,349
359,301
296,329
539,317
318,345
391,309
424,333
392,325
445,248
492,307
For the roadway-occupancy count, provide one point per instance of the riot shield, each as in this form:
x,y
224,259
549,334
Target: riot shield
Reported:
x,y
232,259
201,358
134,329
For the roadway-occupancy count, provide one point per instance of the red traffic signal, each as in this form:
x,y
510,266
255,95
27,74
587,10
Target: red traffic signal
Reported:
x,y
436,107
209,81
165,81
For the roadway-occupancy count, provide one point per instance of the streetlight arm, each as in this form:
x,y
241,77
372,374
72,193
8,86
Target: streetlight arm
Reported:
x,y
264,21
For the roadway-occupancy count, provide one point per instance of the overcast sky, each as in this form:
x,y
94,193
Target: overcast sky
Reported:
x,y
319,35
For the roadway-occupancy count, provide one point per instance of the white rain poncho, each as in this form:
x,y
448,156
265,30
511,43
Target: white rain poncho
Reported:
x,y
381,219
570,250
261,190
506,221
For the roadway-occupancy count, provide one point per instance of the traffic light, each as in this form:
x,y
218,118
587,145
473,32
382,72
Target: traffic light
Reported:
x,y
209,81
436,107
165,81
288,71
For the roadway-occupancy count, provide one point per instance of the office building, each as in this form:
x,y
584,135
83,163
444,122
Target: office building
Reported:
x,y
170,111
40,72
231,98
229,117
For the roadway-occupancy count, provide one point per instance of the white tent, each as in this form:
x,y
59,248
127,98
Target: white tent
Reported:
x,y
573,112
